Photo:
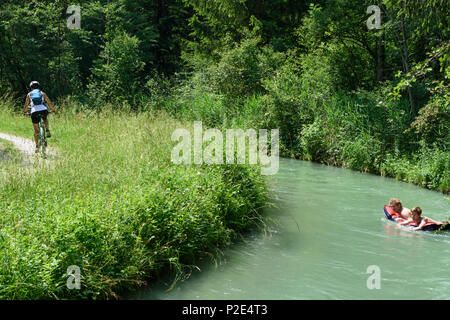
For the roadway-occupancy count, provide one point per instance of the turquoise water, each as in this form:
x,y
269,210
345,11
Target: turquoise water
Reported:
x,y
328,229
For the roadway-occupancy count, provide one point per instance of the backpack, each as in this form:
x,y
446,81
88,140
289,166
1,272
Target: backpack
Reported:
x,y
36,97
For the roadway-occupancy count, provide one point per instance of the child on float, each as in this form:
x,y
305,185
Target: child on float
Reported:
x,y
417,220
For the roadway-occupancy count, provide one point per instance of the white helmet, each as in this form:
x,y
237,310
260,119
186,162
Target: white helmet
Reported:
x,y
34,85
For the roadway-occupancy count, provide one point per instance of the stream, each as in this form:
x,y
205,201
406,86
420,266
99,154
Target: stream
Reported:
x,y
328,229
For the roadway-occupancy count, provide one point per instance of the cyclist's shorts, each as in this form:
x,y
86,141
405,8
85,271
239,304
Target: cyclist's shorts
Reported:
x,y
35,116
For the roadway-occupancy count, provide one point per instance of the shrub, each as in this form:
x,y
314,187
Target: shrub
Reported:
x,y
116,75
361,153
428,168
313,142
285,104
433,121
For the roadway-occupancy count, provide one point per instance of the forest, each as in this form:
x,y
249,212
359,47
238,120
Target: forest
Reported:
x,y
374,99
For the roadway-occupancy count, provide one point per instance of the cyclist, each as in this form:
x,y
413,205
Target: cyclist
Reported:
x,y
35,99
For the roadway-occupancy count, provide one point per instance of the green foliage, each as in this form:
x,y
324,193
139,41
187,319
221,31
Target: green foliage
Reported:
x,y
335,32
433,121
116,75
429,168
362,153
284,102
216,22
35,46
240,70
238,73
313,142
207,106
317,80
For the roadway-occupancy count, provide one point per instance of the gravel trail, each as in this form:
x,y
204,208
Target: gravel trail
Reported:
x,y
26,146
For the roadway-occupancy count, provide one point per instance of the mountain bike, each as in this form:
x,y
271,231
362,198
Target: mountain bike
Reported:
x,y
42,139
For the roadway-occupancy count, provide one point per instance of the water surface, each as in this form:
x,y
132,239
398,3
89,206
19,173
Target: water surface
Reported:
x,y
329,229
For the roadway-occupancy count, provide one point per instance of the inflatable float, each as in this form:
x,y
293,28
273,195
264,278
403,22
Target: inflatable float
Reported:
x,y
391,215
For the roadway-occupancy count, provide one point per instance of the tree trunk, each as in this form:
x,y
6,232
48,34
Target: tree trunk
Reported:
x,y
406,64
381,53
381,58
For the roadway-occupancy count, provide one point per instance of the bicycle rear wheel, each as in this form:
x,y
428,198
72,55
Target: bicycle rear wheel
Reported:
x,y
43,140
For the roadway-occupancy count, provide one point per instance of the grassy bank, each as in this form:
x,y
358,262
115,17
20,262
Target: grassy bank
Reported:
x,y
113,204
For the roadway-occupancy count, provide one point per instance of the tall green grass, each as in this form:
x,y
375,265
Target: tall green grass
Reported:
x,y
112,203
9,157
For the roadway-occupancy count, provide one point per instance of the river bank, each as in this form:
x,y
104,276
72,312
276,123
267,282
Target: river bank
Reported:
x,y
114,205
364,132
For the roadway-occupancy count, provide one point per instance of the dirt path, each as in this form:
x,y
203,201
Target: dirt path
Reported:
x,y
26,146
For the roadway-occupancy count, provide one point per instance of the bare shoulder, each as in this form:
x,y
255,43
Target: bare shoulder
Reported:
x,y
428,220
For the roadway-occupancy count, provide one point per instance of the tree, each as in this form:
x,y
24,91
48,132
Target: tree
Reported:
x,y
117,75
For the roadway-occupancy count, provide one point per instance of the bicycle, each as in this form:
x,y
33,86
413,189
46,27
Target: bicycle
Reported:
x,y
42,139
